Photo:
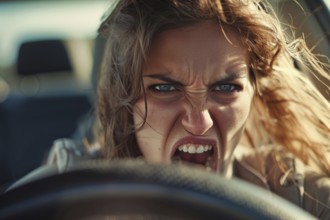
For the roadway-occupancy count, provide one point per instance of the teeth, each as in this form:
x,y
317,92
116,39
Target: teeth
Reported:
x,y
208,164
209,161
176,159
200,149
193,149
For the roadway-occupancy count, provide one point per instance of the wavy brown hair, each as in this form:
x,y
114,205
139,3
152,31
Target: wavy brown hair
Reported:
x,y
288,110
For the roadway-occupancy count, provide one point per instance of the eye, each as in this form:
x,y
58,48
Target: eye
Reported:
x,y
227,88
163,88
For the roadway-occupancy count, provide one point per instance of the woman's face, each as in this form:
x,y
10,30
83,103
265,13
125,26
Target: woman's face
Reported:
x,y
198,95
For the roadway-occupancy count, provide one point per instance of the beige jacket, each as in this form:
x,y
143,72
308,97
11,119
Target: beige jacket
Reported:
x,y
292,180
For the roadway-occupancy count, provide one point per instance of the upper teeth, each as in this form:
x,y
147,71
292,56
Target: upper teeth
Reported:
x,y
193,148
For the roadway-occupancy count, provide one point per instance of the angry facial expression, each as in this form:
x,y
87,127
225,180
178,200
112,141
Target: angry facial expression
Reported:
x,y
198,95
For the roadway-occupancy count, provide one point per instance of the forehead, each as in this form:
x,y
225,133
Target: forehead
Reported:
x,y
198,48
198,37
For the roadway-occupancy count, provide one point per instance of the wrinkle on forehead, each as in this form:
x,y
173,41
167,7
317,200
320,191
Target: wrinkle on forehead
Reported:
x,y
197,75
195,50
198,56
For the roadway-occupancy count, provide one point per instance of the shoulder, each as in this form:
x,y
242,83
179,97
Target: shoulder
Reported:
x,y
284,174
63,154
317,193
68,152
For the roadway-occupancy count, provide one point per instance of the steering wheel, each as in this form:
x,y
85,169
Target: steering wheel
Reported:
x,y
129,188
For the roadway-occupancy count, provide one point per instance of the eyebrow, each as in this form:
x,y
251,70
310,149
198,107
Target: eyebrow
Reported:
x,y
231,76
164,77
228,78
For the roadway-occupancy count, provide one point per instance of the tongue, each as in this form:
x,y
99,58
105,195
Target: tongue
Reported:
x,y
194,158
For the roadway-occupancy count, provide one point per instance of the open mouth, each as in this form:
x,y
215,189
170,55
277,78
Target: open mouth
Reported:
x,y
197,154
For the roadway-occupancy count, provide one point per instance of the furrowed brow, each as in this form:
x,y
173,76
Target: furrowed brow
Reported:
x,y
163,77
231,77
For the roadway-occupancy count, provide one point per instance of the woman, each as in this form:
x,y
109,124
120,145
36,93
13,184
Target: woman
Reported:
x,y
215,84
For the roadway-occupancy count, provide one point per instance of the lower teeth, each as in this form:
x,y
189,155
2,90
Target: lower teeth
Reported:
x,y
176,159
208,164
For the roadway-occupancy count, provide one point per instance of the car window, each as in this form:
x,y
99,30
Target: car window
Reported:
x,y
327,3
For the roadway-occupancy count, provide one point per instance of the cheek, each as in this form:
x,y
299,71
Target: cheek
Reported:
x,y
231,119
242,109
151,136
143,132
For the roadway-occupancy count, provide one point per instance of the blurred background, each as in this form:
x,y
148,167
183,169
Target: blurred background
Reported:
x,y
46,83
49,59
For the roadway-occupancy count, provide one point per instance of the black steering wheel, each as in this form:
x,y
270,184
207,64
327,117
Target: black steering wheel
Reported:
x,y
131,188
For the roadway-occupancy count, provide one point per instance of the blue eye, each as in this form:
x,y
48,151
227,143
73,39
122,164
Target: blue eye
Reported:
x,y
227,88
163,87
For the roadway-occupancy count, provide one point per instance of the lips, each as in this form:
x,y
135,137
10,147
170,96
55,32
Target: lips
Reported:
x,y
197,151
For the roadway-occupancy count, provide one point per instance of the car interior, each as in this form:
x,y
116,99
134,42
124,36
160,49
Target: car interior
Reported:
x,y
47,93
32,122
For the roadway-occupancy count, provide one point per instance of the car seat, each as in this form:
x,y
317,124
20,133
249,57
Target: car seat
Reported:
x,y
31,121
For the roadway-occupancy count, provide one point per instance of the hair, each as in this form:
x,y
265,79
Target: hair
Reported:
x,y
288,109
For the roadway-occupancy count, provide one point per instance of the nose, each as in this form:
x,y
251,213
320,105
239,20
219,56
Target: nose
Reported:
x,y
197,122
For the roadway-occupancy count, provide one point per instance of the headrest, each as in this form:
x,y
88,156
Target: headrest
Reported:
x,y
43,56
